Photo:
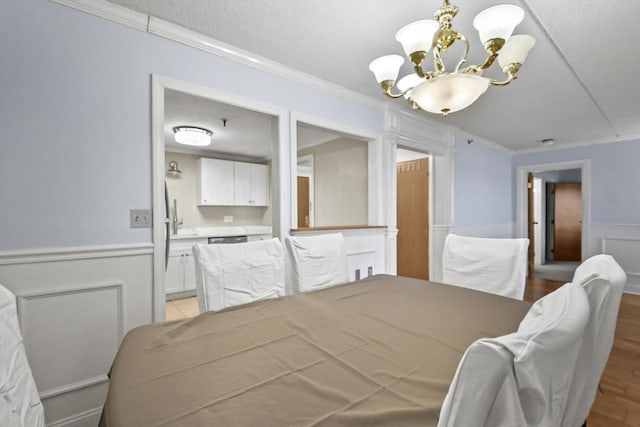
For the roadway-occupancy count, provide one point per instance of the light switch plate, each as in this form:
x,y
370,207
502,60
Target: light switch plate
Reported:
x,y
140,218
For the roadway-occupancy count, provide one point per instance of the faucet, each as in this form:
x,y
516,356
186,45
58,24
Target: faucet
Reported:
x,y
176,222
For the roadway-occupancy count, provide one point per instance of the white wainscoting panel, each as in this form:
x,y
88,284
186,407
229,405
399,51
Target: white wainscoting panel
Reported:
x,y
75,307
627,252
101,308
623,243
365,248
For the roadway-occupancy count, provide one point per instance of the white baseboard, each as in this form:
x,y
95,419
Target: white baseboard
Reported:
x,y
621,241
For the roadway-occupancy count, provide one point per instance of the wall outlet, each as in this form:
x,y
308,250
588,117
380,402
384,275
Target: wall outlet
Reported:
x,y
140,218
358,274
227,218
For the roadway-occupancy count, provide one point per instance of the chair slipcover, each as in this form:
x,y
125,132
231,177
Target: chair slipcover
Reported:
x,y
521,379
20,404
498,266
603,280
316,262
238,273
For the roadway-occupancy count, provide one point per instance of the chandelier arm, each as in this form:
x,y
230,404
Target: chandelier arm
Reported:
x,y
386,88
438,64
487,63
510,77
463,59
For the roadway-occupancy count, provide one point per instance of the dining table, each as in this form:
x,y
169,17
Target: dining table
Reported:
x,y
380,351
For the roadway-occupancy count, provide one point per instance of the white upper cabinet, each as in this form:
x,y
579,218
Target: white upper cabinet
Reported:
x,y
251,184
215,182
228,183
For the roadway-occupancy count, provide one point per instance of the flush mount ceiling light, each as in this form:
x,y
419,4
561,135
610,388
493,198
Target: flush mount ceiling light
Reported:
x,y
443,92
192,135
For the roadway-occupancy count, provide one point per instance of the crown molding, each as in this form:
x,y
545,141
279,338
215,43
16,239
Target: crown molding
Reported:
x,y
177,33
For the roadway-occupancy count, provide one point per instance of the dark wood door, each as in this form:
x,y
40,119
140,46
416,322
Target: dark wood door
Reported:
x,y
413,218
303,201
567,245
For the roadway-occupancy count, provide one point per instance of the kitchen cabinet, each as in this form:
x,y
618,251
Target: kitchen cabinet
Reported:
x,y
251,184
228,183
215,182
180,276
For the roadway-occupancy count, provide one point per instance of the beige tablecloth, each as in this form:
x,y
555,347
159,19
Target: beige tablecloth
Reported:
x,y
378,352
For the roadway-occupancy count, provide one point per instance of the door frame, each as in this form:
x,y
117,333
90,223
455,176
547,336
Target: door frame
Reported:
x,y
305,167
521,197
281,172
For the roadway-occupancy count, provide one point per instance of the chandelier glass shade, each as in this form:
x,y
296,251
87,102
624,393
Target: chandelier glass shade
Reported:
x,y
192,135
443,92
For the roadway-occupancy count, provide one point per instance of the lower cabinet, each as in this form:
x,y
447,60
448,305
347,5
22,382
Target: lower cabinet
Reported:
x,y
180,275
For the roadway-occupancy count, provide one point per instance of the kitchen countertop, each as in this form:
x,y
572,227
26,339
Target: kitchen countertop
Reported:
x,y
206,232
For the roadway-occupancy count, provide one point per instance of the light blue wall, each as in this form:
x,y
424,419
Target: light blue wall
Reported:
x,y
483,183
615,178
76,120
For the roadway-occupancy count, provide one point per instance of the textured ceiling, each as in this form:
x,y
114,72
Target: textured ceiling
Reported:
x,y
578,84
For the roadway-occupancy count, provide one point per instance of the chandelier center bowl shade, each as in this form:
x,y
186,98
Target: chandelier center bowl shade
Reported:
x,y
192,135
439,91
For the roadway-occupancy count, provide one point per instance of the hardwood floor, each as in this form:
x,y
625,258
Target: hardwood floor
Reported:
x,y
618,403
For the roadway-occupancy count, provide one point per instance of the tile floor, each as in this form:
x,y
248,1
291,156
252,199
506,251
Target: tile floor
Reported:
x,y
182,308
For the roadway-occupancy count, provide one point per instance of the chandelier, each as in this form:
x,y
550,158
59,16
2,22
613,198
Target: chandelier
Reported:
x,y
443,92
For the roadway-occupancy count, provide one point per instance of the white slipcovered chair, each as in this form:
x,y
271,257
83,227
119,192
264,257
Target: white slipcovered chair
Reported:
x,y
521,379
238,273
497,266
603,281
20,404
315,262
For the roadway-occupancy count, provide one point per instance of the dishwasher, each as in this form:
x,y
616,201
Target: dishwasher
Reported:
x,y
227,239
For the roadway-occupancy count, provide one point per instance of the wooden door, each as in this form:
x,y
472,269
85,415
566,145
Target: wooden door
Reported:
x,y
303,201
567,225
413,218
530,254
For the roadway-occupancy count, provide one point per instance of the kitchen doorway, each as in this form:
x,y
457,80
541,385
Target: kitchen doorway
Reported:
x,y
236,149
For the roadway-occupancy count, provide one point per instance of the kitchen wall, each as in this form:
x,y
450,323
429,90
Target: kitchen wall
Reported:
x,y
340,182
183,188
